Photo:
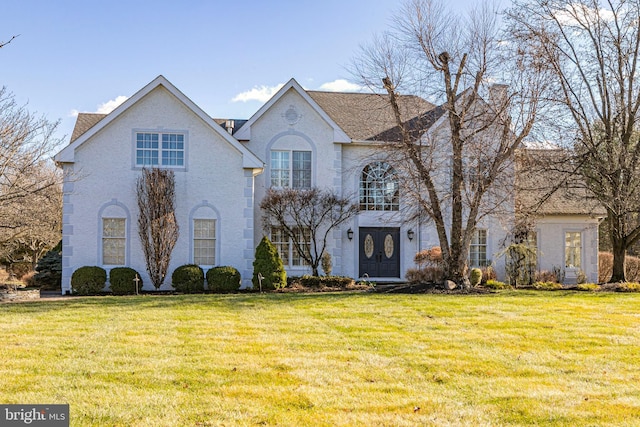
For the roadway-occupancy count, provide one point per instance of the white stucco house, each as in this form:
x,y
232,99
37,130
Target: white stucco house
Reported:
x,y
222,168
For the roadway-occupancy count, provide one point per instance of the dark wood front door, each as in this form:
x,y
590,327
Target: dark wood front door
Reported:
x,y
379,252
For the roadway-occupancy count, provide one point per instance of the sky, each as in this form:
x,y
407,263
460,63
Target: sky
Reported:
x,y
226,56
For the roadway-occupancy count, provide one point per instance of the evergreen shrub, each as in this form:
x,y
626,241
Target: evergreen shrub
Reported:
x,y
223,279
88,280
122,280
188,278
268,263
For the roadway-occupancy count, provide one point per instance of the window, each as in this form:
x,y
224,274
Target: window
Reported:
x,y
291,169
572,249
113,241
478,249
204,241
286,249
379,189
159,149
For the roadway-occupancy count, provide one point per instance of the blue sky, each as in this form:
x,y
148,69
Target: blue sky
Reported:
x,y
84,55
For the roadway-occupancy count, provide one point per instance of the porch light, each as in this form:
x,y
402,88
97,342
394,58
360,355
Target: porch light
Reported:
x,y
350,234
410,234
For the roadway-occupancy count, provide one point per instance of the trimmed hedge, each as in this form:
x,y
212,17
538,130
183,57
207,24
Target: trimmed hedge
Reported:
x,y
326,281
188,278
88,280
122,280
223,279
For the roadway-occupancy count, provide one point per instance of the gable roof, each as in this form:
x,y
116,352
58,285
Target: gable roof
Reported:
x,y
339,135
84,122
368,117
544,186
87,124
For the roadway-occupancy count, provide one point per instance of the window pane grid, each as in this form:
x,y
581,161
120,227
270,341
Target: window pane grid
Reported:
x,y
301,169
379,188
478,249
291,169
301,236
281,243
204,241
113,241
150,152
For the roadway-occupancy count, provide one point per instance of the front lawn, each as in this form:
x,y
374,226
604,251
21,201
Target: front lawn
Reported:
x,y
513,358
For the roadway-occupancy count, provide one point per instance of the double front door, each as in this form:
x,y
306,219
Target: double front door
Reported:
x,y
379,252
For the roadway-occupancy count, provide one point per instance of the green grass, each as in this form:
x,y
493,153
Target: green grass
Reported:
x,y
513,358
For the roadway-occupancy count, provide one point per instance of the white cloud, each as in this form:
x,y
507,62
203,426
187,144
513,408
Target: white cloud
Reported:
x,y
258,93
109,106
341,85
104,108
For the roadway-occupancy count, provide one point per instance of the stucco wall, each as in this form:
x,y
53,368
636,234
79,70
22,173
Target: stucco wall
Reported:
x,y
104,179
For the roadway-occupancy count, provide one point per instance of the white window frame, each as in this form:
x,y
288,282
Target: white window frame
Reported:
x,y
573,252
283,171
210,239
167,150
119,240
382,191
287,250
476,247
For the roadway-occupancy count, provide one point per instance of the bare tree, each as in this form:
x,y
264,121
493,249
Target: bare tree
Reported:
x,y
458,158
30,226
30,199
593,50
26,143
306,217
157,226
3,44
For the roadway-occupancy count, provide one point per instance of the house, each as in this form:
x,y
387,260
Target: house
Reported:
x,y
222,168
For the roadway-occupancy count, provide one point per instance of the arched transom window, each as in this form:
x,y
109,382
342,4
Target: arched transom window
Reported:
x,y
379,190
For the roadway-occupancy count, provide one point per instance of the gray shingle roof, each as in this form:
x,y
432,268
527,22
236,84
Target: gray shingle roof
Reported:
x,y
544,186
368,116
84,122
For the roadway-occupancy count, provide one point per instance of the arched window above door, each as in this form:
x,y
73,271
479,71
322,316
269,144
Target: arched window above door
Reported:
x,y
379,188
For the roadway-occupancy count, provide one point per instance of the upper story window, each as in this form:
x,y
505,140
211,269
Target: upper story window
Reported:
x,y
160,149
291,169
379,189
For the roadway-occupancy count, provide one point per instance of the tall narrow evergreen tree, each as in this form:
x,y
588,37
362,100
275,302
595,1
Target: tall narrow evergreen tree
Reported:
x,y
269,264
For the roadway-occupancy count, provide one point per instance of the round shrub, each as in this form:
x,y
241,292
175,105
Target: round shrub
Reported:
x,y
476,276
223,279
88,280
188,279
122,280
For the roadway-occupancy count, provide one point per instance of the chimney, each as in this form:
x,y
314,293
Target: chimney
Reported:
x,y
229,125
498,95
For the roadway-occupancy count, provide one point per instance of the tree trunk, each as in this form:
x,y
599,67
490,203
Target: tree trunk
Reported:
x,y
456,268
619,249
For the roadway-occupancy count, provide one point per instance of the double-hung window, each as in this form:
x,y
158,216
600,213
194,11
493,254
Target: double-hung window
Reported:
x,y
204,241
160,149
113,241
478,249
286,248
291,169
